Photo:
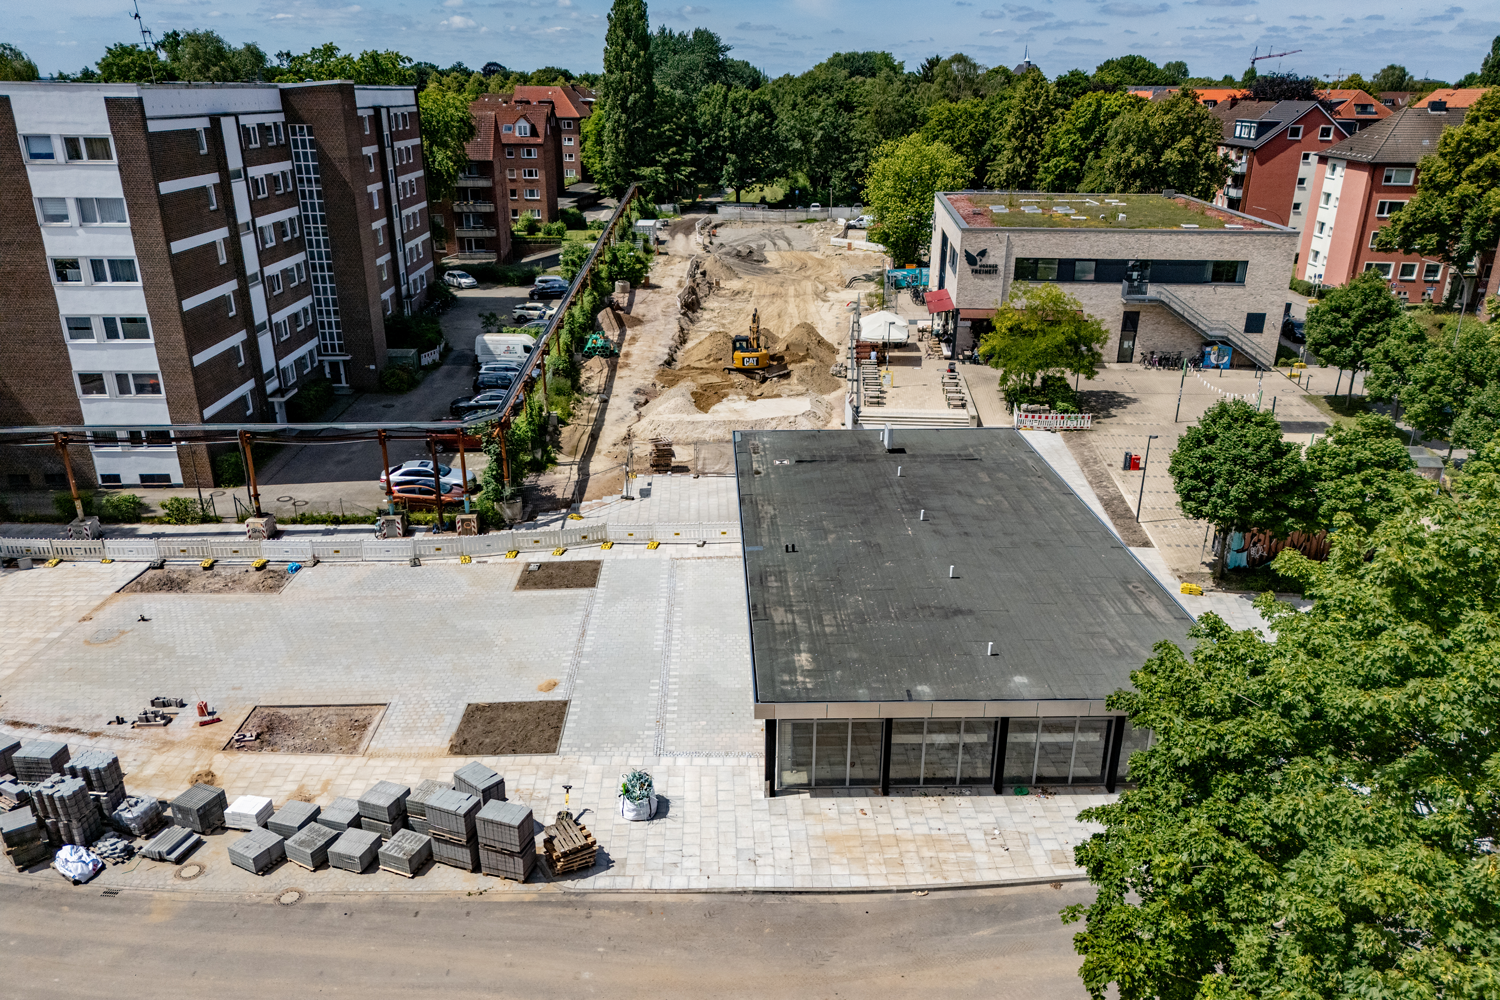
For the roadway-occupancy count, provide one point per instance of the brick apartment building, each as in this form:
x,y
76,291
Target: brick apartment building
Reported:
x,y
571,104
208,248
1354,109
1273,147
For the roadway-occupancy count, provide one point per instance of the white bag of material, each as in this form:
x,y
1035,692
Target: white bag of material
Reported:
x,y
638,811
77,864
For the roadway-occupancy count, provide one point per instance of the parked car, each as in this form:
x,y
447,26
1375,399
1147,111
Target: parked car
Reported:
x,y
420,470
465,407
419,496
1293,330
863,222
460,279
493,380
507,365
528,311
549,290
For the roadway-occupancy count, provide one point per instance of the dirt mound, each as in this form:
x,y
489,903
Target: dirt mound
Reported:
x,y
804,344
716,270
227,580
749,253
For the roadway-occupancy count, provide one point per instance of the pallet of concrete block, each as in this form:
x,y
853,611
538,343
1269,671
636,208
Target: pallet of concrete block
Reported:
x,y
568,845
406,853
480,782
342,814
173,845
112,849
67,810
308,847
13,794
450,815
416,804
292,817
99,769
24,838
38,760
383,808
354,850
137,815
8,747
661,454
200,808
248,812
515,865
506,826
257,851
464,857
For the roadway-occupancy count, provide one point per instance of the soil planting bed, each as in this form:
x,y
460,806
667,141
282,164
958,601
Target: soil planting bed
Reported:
x,y
498,728
309,729
571,575
194,580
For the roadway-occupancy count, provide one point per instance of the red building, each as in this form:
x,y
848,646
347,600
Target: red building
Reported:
x,y
571,104
1274,148
1354,109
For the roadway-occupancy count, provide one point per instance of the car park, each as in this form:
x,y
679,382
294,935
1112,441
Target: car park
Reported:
x,y
420,470
421,495
460,279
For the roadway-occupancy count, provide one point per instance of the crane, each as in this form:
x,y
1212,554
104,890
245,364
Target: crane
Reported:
x,y
1271,55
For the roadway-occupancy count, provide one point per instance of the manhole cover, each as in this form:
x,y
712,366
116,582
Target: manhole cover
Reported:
x,y
189,872
290,897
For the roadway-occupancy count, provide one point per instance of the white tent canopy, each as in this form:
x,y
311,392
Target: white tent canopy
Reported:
x,y
884,327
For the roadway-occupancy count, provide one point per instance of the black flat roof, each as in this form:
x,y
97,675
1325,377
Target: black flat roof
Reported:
x,y
864,609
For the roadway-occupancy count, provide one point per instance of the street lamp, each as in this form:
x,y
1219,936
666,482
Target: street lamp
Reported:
x,y
1144,463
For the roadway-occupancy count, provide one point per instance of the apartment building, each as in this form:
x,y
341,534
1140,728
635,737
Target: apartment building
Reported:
x,y
1273,148
571,104
1353,109
192,254
1358,185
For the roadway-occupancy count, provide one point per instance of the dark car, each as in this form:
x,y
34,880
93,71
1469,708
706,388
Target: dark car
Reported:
x,y
1293,330
464,406
547,291
486,381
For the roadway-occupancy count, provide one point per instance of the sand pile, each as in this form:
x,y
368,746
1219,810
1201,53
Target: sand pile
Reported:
x,y
677,415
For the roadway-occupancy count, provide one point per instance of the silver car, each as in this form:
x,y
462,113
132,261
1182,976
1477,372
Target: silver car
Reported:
x,y
460,279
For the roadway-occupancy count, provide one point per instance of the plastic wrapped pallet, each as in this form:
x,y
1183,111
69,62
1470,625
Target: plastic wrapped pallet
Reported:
x,y
416,805
355,850
385,801
462,856
257,851
451,815
173,844
137,815
342,814
506,826
248,812
406,853
505,864
292,817
8,747
479,781
39,759
309,845
200,808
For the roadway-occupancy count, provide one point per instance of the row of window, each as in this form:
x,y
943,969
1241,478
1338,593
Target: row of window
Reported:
x,y
119,384
407,188
411,220
300,365
527,152
289,231
400,121
1408,272
405,154
274,132
519,128
106,328
294,275
1162,272
75,149
100,271
300,320
87,211
532,194
280,182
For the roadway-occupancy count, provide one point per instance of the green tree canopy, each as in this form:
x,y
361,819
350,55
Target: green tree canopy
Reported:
x,y
675,167
125,63
1283,87
1393,360
1456,368
14,64
1343,328
326,62
618,146
741,141
447,127
205,57
1489,70
1072,148
1361,468
1019,140
965,126
1317,815
1074,84
1393,77
1041,330
1134,71
1156,145
903,182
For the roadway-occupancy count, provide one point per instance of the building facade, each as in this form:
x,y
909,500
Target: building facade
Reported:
x,y
1273,149
1354,109
572,104
192,253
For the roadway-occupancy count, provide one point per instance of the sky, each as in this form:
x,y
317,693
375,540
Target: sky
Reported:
x,y
788,36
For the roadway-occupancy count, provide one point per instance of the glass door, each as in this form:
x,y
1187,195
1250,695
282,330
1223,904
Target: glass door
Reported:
x,y
1129,325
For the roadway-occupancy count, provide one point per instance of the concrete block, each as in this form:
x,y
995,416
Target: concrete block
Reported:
x,y
292,817
248,812
342,814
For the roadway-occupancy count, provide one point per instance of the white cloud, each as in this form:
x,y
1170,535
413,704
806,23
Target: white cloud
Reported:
x,y
1219,3
458,23
747,26
1133,9
1237,19
453,3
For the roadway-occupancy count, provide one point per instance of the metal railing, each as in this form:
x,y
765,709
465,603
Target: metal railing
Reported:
x,y
1207,327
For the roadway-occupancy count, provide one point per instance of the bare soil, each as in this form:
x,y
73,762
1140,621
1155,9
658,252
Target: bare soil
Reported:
x,y
219,580
499,728
581,574
309,729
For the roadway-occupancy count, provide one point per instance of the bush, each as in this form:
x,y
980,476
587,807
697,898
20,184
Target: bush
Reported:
x,y
229,470
1052,390
327,517
529,226
440,298
122,508
63,504
313,397
597,225
573,219
497,274
186,510
420,333
557,229
397,380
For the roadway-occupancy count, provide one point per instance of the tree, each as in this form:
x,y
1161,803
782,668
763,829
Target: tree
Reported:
x,y
447,128
620,262
133,64
741,144
903,181
326,62
1457,367
965,126
1353,82
1393,360
674,167
957,78
1234,470
1017,145
1164,144
1134,71
14,64
1345,326
1072,85
1393,77
1477,425
1283,87
1040,330
1489,70
572,257
205,57
618,145
1073,146
1361,468
689,61
1176,71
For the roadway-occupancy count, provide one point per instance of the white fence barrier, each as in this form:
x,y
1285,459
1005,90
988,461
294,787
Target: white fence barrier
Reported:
x,y
751,213
431,357
1054,421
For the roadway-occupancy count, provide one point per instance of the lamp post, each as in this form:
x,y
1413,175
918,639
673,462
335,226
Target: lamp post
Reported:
x,y
1144,463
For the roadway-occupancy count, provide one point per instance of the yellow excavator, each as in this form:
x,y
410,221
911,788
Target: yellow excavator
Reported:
x,y
754,361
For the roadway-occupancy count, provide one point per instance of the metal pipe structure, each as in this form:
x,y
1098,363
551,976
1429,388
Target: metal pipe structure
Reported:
x,y
247,443
385,466
437,482
61,441
1144,463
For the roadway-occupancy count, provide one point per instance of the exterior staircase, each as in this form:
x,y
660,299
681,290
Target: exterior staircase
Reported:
x,y
1207,327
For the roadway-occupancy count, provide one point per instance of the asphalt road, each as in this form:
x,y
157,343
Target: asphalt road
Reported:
x,y
64,942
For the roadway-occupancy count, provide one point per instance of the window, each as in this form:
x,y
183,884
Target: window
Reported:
x,y
288,375
138,383
529,153
1255,322
510,173
301,272
1373,237
507,129
383,266
510,152
66,270
369,163
1083,270
1430,272
114,271
1321,227
513,194
268,236
289,228
126,328
1409,272
54,211
570,172
1325,133
375,199
1296,208
102,211
229,302
1398,176
276,181
307,315
79,327
523,128
1307,157
213,199
565,125
1364,109
1244,129
91,384
219,246
515,213
258,185
274,283
39,147
568,157
1381,267
1385,209
567,140
532,194
366,120
1327,198
1295,132
1228,272
1302,183
380,236
531,173
85,148
1316,256
278,133
535,213
1333,170
252,136
239,354
282,329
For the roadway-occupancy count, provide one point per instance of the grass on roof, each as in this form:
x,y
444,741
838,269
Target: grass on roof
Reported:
x,y
1141,211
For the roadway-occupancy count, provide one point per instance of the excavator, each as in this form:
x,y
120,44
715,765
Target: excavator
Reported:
x,y
754,361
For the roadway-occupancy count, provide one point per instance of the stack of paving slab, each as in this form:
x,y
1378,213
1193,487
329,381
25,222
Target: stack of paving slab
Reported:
x,y
8,747
382,809
342,814
479,781
416,805
249,812
137,815
292,817
451,818
24,838
173,844
100,771
507,840
354,850
38,760
308,847
67,810
406,853
257,851
200,808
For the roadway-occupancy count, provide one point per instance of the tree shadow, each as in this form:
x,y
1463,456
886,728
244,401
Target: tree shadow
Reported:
x,y
1103,402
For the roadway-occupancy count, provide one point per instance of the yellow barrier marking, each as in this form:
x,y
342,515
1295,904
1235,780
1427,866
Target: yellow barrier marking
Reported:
x,y
559,551
464,560
606,545
512,554
52,562
652,544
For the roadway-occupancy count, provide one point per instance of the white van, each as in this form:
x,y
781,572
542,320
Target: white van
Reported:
x,y
502,346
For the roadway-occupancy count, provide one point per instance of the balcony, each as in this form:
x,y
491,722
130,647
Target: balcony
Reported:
x,y
1234,192
469,257
473,206
474,233
474,182
1238,166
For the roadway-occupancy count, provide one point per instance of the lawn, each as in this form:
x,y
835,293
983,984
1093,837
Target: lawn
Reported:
x,y
1097,211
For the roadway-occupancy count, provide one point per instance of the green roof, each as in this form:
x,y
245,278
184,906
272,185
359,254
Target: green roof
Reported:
x,y
1035,210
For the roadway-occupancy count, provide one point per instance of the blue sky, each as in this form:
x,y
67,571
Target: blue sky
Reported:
x,y
1212,36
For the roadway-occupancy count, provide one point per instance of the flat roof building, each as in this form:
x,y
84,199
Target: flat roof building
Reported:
x,y
914,610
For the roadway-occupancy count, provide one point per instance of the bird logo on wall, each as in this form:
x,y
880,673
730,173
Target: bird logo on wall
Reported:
x,y
975,259
978,264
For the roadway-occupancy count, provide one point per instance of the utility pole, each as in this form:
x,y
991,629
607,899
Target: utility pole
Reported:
x,y
1144,463
1180,383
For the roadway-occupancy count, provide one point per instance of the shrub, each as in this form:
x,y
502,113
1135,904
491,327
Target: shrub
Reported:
x,y
397,380
573,219
530,225
229,470
185,510
1051,390
440,298
63,504
597,225
420,333
313,397
555,229
122,508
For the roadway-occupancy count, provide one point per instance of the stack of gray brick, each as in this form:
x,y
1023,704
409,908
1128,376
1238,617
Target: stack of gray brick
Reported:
x,y
406,853
507,840
451,818
137,815
309,845
354,850
100,771
24,838
8,747
480,782
37,760
173,844
257,851
462,856
383,808
292,817
200,808
416,805
12,794
342,814
67,810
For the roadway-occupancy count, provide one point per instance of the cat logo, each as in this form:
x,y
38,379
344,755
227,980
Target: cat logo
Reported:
x,y
977,264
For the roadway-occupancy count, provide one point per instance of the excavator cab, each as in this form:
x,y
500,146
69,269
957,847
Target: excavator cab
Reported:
x,y
753,361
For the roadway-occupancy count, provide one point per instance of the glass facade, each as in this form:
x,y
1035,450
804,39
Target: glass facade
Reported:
x,y
315,240
827,753
1161,272
1064,750
943,751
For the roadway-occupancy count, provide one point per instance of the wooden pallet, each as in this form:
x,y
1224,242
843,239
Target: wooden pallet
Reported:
x,y
568,845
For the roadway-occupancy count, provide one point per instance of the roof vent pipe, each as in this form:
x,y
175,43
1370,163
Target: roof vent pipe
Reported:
x,y
887,438
950,573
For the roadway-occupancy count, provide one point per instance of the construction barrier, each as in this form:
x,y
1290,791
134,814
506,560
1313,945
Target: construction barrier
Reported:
x,y
1053,421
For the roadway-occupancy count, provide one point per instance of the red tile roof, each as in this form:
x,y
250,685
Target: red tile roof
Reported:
x,y
501,112
1455,98
571,101
1347,99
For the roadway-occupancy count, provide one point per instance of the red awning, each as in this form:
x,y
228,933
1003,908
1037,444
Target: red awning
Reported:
x,y
976,314
939,301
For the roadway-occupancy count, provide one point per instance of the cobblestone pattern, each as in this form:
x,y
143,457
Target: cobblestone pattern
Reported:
x,y
37,605
707,708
